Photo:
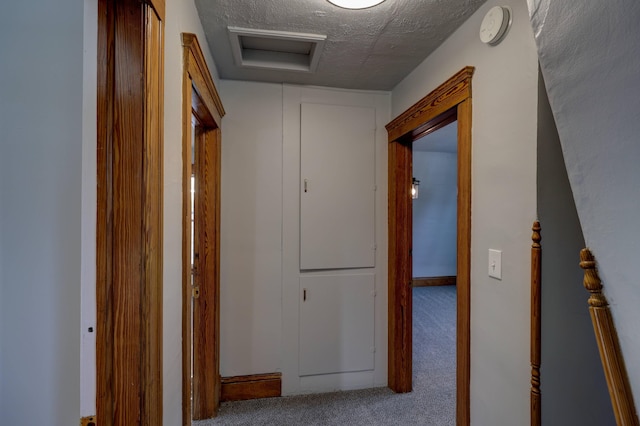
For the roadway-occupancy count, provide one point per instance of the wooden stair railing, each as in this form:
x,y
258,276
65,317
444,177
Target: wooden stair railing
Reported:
x,y
536,293
608,344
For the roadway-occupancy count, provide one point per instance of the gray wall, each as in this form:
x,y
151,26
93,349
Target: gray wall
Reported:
x,y
434,214
589,58
41,46
503,205
574,391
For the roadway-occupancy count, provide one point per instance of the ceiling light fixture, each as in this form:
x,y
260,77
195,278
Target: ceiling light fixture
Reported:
x,y
355,4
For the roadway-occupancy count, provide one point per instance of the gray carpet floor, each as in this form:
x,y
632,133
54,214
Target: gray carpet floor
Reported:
x,y
431,403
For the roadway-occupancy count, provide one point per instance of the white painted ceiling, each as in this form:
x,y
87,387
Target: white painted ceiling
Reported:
x,y
372,49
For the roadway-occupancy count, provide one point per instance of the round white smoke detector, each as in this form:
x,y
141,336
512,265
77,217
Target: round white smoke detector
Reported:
x,y
495,24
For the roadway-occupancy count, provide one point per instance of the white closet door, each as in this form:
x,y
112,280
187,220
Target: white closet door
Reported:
x,y
337,201
336,323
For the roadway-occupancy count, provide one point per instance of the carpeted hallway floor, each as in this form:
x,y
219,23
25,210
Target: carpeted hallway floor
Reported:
x,y
432,402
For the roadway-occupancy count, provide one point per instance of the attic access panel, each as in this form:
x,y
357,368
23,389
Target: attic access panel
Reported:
x,y
275,49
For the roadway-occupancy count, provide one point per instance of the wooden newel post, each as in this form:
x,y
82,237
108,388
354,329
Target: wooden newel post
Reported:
x,y
607,338
536,263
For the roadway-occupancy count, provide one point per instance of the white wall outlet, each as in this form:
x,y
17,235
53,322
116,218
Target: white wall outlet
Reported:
x,y
495,263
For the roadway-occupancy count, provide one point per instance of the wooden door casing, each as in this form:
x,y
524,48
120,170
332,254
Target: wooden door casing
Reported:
x,y
129,219
200,398
450,99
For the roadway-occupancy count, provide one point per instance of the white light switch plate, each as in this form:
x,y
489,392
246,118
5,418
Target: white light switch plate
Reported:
x,y
495,263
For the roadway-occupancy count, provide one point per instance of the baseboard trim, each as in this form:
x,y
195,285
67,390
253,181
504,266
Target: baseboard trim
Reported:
x,y
239,388
432,281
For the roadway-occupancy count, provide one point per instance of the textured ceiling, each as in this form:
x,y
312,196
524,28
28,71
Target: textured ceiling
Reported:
x,y
365,49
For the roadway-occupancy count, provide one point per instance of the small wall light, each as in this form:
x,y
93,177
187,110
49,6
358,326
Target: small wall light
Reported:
x,y
355,4
414,188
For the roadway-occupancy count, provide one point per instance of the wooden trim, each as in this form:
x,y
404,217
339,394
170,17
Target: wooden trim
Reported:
x,y
434,281
104,217
442,99
200,398
187,172
129,218
612,360
153,199
443,120
206,308
463,329
158,6
239,388
536,326
452,98
198,68
400,268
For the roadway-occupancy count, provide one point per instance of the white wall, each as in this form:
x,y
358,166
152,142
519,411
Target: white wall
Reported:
x,y
41,93
588,55
260,231
503,202
251,229
181,16
434,214
89,206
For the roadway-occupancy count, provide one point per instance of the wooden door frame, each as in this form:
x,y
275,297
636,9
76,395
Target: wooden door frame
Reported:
x,y
451,99
129,212
200,98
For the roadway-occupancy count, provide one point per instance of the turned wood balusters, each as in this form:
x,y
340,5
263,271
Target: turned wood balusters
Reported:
x,y
536,293
607,338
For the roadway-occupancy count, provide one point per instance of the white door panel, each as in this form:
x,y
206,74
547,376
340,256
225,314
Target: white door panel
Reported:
x,y
336,323
337,201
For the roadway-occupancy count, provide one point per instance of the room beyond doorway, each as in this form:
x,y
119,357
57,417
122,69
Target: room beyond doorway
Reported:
x,y
434,207
434,255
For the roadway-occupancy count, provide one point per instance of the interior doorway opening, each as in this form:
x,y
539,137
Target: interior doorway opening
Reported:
x,y
196,127
201,270
434,165
449,102
434,254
